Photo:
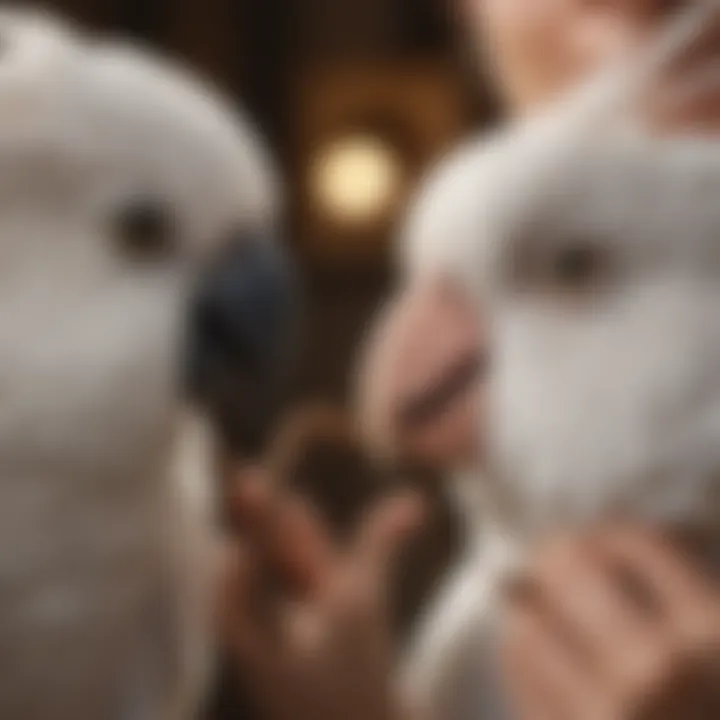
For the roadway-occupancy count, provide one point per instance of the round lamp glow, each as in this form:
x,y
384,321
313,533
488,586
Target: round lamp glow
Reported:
x,y
356,179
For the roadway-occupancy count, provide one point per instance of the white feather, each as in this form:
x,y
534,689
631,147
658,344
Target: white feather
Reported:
x,y
98,564
604,395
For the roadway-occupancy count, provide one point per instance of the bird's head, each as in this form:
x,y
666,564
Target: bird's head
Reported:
x,y
140,221
584,257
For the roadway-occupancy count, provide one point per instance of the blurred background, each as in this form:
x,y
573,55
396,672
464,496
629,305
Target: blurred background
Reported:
x,y
357,99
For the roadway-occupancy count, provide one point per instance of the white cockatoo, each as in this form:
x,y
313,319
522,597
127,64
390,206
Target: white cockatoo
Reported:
x,y
592,248
123,181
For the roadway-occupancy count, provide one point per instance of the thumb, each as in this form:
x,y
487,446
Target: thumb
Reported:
x,y
384,535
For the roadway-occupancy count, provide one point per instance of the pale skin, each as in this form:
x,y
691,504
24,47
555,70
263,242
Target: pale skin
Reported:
x,y
589,649
575,651
318,646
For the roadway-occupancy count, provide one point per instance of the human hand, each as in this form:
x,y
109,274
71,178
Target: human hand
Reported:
x,y
316,643
614,627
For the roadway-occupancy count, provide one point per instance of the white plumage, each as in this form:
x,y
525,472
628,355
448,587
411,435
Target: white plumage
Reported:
x,y
103,534
593,248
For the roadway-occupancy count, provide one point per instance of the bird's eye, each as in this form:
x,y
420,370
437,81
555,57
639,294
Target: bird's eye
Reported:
x,y
145,229
577,266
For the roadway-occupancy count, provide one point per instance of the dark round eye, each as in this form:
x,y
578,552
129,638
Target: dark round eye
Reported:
x,y
577,266
145,229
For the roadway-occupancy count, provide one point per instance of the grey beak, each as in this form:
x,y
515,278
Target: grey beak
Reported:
x,y
242,322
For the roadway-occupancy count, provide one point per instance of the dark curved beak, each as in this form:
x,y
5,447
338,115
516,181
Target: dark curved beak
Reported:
x,y
242,324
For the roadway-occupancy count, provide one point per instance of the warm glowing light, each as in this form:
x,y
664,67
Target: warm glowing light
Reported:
x,y
357,178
